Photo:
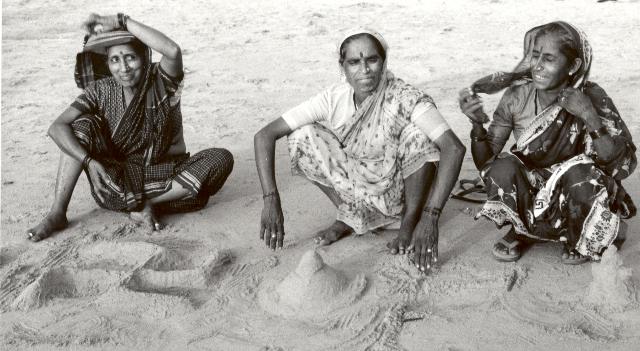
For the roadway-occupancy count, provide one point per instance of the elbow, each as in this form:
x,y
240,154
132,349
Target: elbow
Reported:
x,y
457,150
259,137
52,131
173,51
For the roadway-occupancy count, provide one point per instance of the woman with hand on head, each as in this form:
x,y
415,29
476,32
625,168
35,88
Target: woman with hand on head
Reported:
x,y
125,132
561,181
376,146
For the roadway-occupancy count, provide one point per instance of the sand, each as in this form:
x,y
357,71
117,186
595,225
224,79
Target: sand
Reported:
x,y
206,282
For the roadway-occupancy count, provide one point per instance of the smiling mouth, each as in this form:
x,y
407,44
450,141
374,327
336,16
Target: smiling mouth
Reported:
x,y
539,77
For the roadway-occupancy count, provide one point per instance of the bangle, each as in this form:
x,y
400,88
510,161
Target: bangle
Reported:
x,y
432,211
480,137
85,161
269,194
595,134
122,20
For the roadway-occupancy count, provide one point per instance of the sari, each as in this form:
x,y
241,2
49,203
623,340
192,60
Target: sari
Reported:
x,y
366,159
132,143
551,185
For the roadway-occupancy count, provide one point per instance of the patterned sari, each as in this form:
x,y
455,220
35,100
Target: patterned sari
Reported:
x,y
551,185
366,160
132,143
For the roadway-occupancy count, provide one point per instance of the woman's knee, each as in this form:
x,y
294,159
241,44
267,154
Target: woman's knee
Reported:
x,y
504,166
581,182
219,158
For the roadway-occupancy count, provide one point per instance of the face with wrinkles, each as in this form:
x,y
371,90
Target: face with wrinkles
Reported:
x,y
125,64
362,66
550,68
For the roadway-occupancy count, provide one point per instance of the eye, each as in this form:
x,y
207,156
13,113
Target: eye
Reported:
x,y
114,59
130,58
353,62
373,59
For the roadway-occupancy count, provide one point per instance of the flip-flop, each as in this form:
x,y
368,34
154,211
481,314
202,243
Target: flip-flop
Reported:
x,y
472,190
576,261
501,245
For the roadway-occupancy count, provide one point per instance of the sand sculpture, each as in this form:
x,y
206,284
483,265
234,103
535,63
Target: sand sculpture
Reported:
x,y
612,287
313,289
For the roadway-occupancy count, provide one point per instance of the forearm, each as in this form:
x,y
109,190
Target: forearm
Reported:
x,y
481,150
446,177
264,148
154,39
63,136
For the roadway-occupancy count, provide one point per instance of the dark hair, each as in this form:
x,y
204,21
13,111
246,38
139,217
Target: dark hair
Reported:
x,y
379,47
568,46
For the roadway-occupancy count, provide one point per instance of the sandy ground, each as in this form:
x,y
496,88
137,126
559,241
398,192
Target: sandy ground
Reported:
x,y
206,281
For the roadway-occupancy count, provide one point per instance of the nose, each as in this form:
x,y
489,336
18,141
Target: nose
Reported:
x,y
125,66
537,64
365,66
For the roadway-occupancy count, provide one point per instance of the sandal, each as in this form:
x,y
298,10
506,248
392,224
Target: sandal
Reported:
x,y
579,258
511,245
472,190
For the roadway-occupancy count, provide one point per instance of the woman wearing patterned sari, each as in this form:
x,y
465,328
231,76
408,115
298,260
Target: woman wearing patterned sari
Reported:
x,y
125,132
561,181
374,156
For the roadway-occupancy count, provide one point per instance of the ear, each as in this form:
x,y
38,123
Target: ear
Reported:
x,y
575,66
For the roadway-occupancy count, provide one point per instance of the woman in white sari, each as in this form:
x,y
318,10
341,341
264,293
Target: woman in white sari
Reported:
x,y
383,154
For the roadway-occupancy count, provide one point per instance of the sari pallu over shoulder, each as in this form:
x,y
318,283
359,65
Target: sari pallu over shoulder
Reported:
x,y
141,138
371,136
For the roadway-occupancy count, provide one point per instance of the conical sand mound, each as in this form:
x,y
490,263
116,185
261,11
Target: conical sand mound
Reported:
x,y
313,289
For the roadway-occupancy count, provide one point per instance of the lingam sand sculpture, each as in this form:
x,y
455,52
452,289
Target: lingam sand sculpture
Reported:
x,y
313,289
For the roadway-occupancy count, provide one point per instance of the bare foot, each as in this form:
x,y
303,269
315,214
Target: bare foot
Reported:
x,y
335,232
400,244
146,217
52,222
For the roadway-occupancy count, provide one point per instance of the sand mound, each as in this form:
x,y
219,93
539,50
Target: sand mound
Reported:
x,y
313,289
65,282
612,288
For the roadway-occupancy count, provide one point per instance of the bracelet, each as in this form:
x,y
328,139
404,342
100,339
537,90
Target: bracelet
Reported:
x,y
85,161
595,134
269,194
122,20
433,211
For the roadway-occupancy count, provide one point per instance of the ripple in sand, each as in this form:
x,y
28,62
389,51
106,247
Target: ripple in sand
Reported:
x,y
312,290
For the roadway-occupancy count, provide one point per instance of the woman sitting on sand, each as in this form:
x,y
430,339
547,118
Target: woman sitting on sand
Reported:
x,y
561,180
374,156
125,131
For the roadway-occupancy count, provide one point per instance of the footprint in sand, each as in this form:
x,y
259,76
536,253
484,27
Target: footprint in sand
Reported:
x,y
89,271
